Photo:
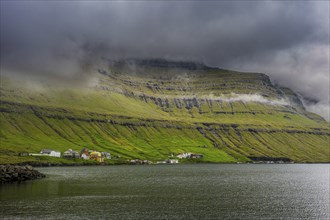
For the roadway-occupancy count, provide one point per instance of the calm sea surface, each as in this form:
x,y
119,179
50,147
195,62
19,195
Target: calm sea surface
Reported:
x,y
236,191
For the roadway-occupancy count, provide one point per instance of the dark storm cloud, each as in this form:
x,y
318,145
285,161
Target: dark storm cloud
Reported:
x,y
287,40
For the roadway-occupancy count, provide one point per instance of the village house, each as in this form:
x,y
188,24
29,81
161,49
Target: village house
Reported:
x,y
140,162
106,155
84,154
97,156
23,154
71,154
183,155
189,156
168,161
51,153
172,161
196,156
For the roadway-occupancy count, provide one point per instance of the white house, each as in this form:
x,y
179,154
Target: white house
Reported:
x,y
85,156
172,161
184,155
50,153
106,155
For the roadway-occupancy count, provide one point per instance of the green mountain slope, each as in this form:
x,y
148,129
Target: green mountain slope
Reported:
x,y
150,109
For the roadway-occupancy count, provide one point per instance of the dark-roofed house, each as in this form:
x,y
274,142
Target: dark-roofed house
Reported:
x,y
71,154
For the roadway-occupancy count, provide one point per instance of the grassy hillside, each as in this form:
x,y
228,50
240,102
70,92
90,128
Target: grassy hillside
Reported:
x,y
150,110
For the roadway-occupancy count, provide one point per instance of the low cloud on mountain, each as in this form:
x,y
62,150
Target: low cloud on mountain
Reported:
x,y
288,40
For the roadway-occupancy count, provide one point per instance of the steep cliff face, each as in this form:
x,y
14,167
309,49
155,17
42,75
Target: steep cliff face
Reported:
x,y
148,109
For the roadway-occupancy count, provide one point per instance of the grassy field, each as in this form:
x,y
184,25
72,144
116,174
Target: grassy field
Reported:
x,y
160,112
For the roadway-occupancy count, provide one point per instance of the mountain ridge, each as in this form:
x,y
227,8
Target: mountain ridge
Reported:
x,y
151,109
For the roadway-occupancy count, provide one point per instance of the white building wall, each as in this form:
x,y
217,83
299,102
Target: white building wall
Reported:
x,y
55,154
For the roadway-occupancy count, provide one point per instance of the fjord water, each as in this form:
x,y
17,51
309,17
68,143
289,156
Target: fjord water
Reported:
x,y
201,191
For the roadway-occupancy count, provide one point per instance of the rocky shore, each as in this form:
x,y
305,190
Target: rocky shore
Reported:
x,y
14,173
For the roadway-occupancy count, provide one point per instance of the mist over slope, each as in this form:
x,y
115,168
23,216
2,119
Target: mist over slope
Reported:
x,y
61,40
149,109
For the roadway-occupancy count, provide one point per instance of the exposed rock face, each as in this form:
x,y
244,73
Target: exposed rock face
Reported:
x,y
152,108
11,174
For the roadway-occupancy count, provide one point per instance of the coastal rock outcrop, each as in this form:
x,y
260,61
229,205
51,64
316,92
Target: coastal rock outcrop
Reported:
x,y
11,174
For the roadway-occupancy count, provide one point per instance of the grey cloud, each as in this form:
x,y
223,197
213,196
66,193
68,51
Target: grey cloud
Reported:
x,y
287,40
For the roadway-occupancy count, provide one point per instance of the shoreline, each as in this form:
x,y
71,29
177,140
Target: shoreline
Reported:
x,y
36,165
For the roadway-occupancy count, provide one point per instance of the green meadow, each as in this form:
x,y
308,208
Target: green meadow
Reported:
x,y
154,112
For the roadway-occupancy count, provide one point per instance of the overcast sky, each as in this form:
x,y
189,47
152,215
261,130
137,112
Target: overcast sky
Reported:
x,y
289,41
